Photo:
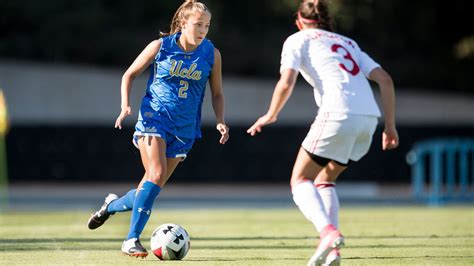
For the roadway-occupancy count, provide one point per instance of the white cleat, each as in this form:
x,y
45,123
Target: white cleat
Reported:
x,y
333,240
134,248
333,258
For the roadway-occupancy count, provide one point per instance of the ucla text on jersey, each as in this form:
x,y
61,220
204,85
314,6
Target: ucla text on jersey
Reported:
x,y
176,87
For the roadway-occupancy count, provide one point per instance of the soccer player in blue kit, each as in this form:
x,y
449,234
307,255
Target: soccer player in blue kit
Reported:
x,y
181,62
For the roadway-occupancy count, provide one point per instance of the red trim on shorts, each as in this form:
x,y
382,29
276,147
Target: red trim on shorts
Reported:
x,y
320,127
311,143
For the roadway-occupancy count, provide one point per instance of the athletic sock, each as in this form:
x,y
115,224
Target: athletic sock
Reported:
x,y
307,198
142,208
328,194
123,204
326,230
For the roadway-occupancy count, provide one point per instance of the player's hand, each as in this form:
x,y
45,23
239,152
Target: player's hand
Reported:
x,y
126,111
224,130
262,121
389,139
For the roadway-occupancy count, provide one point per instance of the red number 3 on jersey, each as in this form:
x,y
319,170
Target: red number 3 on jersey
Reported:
x,y
346,55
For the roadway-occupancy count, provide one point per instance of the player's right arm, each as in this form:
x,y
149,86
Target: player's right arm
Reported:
x,y
387,93
282,92
290,63
144,59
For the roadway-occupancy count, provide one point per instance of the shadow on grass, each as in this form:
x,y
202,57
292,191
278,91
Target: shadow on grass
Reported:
x,y
409,237
406,246
399,257
214,259
64,247
57,240
223,238
100,240
39,244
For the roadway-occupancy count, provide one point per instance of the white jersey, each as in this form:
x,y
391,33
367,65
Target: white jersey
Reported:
x,y
336,68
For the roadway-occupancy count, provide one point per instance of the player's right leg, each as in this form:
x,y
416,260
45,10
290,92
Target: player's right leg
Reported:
x,y
326,184
333,258
331,239
153,154
158,169
132,247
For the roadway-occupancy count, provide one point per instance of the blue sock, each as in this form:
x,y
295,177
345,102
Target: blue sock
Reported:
x,y
124,204
142,208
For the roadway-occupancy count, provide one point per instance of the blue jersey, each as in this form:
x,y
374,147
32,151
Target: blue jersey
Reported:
x,y
176,87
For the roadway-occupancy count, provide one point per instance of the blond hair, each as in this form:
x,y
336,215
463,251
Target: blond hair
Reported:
x,y
188,8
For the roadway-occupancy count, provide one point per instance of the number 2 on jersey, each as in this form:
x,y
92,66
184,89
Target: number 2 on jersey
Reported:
x,y
182,90
337,48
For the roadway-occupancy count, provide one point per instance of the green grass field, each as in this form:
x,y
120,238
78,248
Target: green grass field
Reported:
x,y
374,236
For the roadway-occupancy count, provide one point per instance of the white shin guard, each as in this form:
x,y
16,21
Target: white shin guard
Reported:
x,y
308,200
331,201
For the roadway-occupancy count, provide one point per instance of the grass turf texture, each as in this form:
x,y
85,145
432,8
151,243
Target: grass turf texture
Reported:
x,y
374,236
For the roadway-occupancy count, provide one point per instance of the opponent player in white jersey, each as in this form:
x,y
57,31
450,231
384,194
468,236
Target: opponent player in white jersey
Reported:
x,y
347,117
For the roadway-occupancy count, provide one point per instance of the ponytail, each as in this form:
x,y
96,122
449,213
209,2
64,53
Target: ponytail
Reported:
x,y
316,12
184,11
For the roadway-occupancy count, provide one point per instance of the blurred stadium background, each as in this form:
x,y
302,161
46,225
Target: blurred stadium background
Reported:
x,y
61,63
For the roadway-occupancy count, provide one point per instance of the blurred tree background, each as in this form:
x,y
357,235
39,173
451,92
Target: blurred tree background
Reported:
x,y
424,44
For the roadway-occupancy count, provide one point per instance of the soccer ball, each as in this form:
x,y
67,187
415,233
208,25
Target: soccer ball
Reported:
x,y
170,242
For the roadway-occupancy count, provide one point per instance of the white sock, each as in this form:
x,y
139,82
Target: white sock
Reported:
x,y
307,198
328,194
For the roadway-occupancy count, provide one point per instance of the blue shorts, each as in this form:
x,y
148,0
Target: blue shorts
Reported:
x,y
176,147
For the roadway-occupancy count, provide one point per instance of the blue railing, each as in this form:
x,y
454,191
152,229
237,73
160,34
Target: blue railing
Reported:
x,y
442,170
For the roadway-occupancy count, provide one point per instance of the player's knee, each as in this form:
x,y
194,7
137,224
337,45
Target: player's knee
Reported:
x,y
156,175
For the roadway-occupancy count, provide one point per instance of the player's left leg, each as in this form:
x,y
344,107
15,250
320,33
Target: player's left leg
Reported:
x,y
125,203
99,217
112,204
129,197
331,238
305,195
311,205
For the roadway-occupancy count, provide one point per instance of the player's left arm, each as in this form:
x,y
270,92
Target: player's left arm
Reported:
x,y
281,94
217,96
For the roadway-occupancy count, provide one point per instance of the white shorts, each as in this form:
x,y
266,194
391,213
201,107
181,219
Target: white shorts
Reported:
x,y
340,137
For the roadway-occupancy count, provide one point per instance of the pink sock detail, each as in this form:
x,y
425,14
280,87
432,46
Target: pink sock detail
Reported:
x,y
326,230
